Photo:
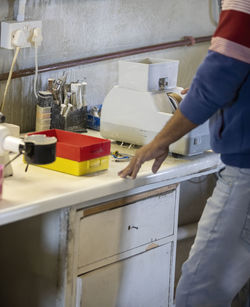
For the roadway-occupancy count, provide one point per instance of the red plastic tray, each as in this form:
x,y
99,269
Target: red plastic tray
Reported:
x,y
78,147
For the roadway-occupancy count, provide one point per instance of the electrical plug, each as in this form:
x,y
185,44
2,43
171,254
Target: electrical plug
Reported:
x,y
36,38
19,38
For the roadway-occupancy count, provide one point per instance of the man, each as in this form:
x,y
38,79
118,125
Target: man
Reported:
x,y
219,262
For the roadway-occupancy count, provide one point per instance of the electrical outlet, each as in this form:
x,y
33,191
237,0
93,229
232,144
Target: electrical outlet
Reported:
x,y
9,28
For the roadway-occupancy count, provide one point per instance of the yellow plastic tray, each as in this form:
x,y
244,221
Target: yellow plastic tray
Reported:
x,y
78,168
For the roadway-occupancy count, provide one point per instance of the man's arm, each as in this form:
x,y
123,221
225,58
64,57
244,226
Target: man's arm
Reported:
x,y
214,86
175,128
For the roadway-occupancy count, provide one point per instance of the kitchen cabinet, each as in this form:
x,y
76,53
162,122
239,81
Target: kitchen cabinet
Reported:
x,y
71,241
125,251
142,280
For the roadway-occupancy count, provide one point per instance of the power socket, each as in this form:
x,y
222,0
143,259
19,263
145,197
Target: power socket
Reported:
x,y
8,29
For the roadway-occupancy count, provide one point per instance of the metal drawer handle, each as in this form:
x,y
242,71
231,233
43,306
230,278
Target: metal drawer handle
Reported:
x,y
130,227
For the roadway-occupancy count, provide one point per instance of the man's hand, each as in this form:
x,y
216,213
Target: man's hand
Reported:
x,y
183,92
148,152
158,149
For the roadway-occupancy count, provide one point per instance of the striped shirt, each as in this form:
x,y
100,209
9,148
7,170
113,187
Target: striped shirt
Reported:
x,y
232,37
220,90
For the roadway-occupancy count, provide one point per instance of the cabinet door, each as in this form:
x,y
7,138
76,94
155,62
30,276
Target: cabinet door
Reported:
x,y
143,280
115,231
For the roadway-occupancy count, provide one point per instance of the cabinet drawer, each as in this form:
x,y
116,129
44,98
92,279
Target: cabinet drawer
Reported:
x,y
143,280
118,230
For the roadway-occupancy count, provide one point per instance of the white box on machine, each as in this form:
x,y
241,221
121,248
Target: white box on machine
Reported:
x,y
139,107
145,74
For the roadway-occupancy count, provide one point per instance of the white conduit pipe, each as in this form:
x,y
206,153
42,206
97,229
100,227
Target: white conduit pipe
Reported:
x,y
187,231
21,10
36,71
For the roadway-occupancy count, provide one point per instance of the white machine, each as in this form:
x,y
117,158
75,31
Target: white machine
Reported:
x,y
146,97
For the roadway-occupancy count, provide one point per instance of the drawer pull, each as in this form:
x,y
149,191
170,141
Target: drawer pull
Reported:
x,y
130,227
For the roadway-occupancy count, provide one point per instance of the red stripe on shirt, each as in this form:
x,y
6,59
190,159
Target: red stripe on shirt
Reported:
x,y
234,26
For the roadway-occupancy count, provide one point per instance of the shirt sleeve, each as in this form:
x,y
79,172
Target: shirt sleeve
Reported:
x,y
214,86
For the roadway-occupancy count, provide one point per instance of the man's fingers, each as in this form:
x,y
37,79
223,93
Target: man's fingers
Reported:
x,y
183,92
125,172
158,162
145,153
136,169
132,169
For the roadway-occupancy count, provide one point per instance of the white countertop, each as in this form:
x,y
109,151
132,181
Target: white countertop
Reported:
x,y
40,190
